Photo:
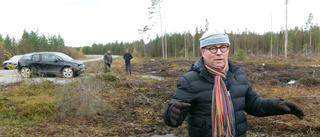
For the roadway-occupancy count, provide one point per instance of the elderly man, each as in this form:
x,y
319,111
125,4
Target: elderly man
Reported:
x,y
215,93
107,61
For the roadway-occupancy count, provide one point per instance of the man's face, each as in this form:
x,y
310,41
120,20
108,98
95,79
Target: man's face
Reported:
x,y
218,59
126,51
109,51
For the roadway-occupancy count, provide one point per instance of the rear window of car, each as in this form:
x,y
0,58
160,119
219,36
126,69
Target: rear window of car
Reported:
x,y
36,58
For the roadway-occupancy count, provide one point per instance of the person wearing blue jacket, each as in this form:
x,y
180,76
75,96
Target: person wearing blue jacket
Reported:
x,y
127,57
215,94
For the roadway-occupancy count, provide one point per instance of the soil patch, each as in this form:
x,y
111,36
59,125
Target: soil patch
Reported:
x,y
135,105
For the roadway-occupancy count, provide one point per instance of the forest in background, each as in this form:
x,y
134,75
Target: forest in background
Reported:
x,y
178,44
33,42
247,42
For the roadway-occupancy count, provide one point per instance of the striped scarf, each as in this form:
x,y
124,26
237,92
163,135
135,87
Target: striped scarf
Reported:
x,y
222,112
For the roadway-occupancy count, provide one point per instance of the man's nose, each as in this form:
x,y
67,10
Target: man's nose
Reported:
x,y
219,51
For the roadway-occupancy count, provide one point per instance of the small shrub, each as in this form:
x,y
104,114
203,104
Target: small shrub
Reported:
x,y
135,52
110,77
46,84
80,99
240,55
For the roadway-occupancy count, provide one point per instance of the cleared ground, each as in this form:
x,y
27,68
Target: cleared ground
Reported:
x,y
133,105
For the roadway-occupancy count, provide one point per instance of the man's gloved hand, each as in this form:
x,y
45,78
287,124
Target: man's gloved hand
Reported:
x,y
286,107
175,111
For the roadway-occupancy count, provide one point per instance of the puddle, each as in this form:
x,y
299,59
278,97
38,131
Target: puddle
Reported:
x,y
167,135
314,66
153,72
153,77
291,82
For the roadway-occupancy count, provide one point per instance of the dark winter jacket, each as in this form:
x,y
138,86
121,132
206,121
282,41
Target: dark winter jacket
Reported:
x,y
127,57
107,58
196,86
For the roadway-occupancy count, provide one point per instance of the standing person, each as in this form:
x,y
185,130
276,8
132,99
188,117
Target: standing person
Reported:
x,y
127,57
107,61
215,94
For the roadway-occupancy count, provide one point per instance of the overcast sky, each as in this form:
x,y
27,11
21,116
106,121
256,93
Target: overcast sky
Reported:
x,y
84,22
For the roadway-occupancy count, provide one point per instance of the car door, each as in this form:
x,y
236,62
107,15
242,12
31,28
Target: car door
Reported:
x,y
51,64
35,64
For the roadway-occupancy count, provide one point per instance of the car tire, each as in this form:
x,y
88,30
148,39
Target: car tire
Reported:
x,y
67,72
25,72
5,66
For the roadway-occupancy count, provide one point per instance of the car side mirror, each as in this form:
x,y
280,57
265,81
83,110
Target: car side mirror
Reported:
x,y
55,60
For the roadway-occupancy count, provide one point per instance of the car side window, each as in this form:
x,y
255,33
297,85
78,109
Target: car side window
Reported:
x,y
48,57
35,58
54,58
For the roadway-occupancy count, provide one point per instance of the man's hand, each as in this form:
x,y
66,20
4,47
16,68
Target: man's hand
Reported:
x,y
175,111
286,107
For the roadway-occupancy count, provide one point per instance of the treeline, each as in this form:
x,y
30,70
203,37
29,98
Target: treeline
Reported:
x,y
187,45
33,42
176,44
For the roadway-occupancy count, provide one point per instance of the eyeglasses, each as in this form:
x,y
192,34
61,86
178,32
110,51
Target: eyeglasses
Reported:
x,y
214,49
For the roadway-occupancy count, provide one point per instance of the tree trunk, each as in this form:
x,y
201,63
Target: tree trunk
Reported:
x,y
175,46
185,45
166,46
144,50
271,39
286,33
161,33
310,39
193,46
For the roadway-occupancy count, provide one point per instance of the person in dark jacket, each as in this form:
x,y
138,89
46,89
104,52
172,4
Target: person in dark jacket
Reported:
x,y
107,61
215,94
127,57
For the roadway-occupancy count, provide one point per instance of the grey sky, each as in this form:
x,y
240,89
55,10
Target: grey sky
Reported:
x,y
83,22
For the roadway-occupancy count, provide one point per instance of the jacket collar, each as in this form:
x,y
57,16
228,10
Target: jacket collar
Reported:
x,y
202,70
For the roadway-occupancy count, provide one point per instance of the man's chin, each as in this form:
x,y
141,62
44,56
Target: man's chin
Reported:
x,y
219,64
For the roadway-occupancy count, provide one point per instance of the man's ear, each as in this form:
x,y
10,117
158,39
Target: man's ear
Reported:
x,y
202,51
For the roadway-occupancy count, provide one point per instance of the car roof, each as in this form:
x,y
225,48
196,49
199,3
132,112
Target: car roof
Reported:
x,y
17,55
42,53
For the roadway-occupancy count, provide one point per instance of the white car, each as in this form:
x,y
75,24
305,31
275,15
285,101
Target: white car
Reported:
x,y
11,63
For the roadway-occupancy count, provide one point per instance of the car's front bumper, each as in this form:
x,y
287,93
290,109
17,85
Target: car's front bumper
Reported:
x,y
9,66
79,69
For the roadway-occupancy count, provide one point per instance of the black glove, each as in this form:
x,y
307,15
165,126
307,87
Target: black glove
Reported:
x,y
286,107
175,111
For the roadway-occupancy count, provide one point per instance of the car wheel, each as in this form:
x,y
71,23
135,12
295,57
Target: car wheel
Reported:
x,y
67,72
25,72
5,66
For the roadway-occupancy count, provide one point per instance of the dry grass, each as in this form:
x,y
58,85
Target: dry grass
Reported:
x,y
80,99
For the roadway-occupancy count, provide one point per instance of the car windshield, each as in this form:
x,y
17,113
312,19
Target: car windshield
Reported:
x,y
64,56
27,57
16,58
